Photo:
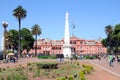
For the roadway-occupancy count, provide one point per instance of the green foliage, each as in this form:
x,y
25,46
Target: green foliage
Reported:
x,y
9,77
75,57
70,78
47,57
78,63
2,78
37,72
13,39
0,69
36,30
61,78
53,57
83,65
27,40
81,75
87,69
87,57
43,57
112,41
47,65
20,73
28,64
58,78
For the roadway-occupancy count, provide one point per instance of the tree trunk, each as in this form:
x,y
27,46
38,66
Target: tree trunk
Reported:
x,y
36,45
19,36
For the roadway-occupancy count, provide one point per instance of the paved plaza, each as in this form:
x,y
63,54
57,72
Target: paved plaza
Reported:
x,y
104,64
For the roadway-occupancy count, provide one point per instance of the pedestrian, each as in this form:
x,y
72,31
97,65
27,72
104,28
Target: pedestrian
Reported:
x,y
13,59
110,58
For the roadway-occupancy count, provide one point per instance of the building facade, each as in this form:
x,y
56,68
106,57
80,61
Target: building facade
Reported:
x,y
78,46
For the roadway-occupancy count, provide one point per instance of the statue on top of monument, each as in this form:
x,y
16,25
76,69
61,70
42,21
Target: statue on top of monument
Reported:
x,y
67,15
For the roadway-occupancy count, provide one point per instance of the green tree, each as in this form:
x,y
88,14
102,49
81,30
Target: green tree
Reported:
x,y
108,29
36,30
27,40
104,42
13,39
116,38
112,42
19,13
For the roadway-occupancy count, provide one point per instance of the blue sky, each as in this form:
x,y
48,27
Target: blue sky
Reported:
x,y
89,16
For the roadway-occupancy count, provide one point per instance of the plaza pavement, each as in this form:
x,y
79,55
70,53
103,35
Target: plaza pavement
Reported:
x,y
103,64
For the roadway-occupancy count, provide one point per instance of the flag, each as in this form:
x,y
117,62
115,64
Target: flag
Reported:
x,y
73,26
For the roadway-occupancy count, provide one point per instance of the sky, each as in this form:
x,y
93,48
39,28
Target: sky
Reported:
x,y
89,17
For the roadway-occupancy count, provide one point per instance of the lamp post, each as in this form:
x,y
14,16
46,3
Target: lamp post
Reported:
x,y
5,25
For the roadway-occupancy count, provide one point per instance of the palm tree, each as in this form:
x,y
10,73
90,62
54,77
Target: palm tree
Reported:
x,y
108,29
36,30
20,14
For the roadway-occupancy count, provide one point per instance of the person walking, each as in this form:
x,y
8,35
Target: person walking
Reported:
x,y
110,58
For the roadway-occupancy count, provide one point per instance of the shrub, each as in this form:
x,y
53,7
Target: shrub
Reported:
x,y
70,78
78,63
63,78
37,72
82,78
43,57
2,78
53,57
81,75
8,77
4,69
48,65
28,64
0,69
83,65
83,71
30,69
58,79
87,70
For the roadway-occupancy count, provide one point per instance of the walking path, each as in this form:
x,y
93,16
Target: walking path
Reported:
x,y
23,61
103,64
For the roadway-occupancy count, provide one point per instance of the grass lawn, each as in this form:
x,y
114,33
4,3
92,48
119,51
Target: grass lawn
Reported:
x,y
46,71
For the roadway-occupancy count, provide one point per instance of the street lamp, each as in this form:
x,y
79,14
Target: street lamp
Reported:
x,y
5,25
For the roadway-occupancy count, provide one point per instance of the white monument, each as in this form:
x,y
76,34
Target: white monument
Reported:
x,y
66,45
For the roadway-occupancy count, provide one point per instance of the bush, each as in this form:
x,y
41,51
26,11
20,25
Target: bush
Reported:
x,y
2,78
87,57
70,78
81,75
47,65
9,77
58,79
53,57
0,69
43,57
63,79
83,65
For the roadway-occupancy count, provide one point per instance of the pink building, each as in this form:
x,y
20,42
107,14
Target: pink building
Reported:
x,y
78,46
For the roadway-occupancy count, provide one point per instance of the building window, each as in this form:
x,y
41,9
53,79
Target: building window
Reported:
x,y
81,42
72,42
